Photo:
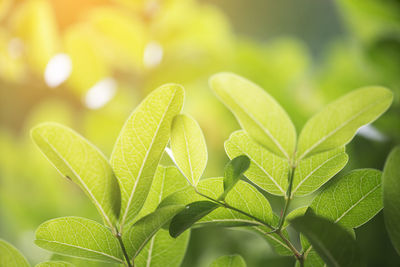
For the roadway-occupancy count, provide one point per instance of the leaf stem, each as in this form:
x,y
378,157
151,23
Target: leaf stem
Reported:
x,y
121,243
288,197
296,253
226,205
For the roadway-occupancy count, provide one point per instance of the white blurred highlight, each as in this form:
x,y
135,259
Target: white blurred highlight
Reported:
x,y
153,55
370,132
101,93
58,70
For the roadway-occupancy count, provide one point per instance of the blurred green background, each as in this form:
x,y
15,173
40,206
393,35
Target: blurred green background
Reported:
x,y
88,63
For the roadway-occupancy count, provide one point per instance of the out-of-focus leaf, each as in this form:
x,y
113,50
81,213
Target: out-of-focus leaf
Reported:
x,y
391,197
10,256
233,171
333,243
143,230
188,147
266,170
229,261
337,123
257,112
124,36
312,172
79,237
140,146
78,160
352,199
35,24
4,7
192,213
88,64
54,264
243,196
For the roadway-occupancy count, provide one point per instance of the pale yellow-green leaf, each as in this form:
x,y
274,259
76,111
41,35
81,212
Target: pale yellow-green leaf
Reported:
x,y
257,112
337,123
140,146
162,249
143,230
78,160
79,237
266,170
312,172
189,147
243,196
10,256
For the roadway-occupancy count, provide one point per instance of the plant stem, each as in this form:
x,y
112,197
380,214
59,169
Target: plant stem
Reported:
x,y
296,253
226,205
121,243
288,197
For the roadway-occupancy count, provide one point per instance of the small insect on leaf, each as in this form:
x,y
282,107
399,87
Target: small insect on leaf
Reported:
x,y
233,171
191,214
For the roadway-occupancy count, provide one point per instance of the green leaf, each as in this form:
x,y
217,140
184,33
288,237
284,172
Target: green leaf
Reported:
x,y
312,259
274,240
352,199
78,160
233,171
334,244
54,264
167,180
191,214
79,237
243,196
140,146
229,261
266,170
188,147
391,196
144,229
10,256
338,122
314,171
162,249
257,112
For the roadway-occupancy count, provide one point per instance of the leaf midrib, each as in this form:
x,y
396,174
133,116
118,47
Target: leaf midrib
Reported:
x,y
338,128
144,163
315,170
188,152
357,202
83,248
80,179
266,131
262,168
